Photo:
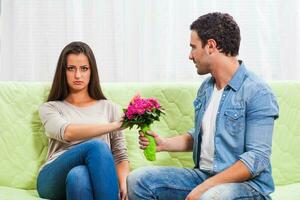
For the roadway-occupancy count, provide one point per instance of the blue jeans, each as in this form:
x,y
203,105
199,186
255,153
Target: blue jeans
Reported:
x,y
86,171
165,183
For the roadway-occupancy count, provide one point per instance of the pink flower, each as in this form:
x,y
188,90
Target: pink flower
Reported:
x,y
142,110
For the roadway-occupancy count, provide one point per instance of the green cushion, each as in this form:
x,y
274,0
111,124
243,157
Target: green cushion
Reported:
x,y
176,99
22,141
286,139
9,193
291,192
23,145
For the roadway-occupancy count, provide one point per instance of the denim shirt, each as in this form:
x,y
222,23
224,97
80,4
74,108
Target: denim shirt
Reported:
x,y
244,127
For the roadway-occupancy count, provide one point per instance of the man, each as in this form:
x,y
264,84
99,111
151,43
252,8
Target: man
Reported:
x,y
232,137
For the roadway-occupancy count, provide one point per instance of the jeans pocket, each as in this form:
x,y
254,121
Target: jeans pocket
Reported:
x,y
234,121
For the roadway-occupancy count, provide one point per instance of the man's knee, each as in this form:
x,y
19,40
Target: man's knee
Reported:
x,y
137,181
138,176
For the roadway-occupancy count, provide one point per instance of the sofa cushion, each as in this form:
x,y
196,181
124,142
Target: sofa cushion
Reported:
x,y
23,144
285,192
176,99
8,193
286,138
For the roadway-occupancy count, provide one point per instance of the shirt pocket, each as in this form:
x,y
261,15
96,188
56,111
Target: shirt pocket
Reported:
x,y
234,121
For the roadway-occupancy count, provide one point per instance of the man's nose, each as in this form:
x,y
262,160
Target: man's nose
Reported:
x,y
191,56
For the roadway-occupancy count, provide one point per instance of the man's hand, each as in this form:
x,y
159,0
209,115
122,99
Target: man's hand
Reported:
x,y
236,173
197,192
180,143
144,142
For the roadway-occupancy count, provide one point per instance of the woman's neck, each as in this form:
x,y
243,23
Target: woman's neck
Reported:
x,y
80,99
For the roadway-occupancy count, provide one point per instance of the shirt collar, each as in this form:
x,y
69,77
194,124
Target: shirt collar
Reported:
x,y
238,78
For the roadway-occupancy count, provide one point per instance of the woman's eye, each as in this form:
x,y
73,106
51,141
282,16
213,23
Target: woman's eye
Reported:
x,y
70,68
84,69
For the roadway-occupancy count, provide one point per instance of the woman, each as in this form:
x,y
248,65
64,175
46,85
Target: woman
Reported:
x,y
87,157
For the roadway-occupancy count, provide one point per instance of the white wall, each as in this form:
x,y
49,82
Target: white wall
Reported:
x,y
142,40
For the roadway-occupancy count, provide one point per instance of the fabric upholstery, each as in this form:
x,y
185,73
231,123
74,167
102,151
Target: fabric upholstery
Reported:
x,y
23,144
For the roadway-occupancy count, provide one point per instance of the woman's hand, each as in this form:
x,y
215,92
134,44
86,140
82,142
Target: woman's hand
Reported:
x,y
123,192
122,171
118,124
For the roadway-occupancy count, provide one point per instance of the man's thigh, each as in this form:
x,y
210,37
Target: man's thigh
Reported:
x,y
163,182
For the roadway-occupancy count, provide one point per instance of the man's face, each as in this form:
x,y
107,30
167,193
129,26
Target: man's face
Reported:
x,y
199,55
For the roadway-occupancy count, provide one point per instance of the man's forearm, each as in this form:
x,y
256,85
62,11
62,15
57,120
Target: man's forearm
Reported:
x,y
238,172
179,143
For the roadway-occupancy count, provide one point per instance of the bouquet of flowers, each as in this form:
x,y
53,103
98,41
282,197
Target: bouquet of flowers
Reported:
x,y
142,112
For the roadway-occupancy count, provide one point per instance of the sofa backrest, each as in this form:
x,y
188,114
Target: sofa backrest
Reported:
x,y
286,138
23,145
176,99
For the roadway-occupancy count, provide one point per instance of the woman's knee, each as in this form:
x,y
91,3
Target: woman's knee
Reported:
x,y
78,185
98,145
78,177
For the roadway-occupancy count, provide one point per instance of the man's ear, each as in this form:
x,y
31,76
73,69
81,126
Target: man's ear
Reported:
x,y
212,46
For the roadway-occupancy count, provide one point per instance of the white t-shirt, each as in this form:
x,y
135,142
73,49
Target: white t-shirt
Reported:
x,y
208,130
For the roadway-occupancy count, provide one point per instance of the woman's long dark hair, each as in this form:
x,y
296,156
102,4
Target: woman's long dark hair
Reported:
x,y
59,89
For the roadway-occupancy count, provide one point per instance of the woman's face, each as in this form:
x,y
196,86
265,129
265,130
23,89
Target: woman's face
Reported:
x,y
78,72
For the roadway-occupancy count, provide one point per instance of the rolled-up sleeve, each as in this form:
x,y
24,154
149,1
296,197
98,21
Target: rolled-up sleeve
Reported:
x,y
53,121
117,139
262,111
192,132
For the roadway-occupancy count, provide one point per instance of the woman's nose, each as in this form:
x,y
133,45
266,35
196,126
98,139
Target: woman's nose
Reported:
x,y
77,74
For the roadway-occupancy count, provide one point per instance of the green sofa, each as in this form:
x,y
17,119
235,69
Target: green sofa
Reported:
x,y
23,145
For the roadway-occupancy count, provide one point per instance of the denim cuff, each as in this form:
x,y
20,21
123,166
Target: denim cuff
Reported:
x,y
254,162
192,132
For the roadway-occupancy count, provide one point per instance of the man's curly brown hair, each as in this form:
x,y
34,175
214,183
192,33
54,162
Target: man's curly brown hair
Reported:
x,y
222,28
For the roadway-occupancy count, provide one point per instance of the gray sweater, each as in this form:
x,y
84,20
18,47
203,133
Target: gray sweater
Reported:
x,y
57,115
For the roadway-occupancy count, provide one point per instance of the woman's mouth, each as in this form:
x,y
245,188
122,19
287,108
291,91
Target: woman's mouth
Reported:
x,y
77,82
